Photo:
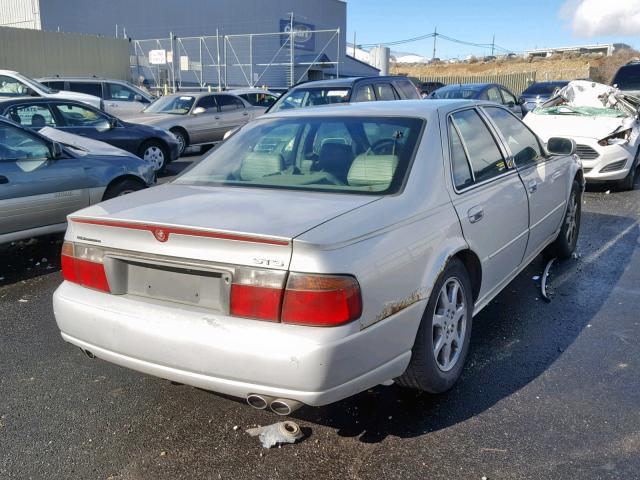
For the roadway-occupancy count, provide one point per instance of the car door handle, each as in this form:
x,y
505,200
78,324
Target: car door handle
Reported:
x,y
533,186
217,117
475,214
3,179
245,113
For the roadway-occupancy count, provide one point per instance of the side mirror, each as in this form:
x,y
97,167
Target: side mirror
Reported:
x,y
561,146
137,97
199,110
56,150
113,123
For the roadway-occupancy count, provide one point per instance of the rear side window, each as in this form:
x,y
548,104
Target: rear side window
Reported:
x,y
228,103
628,78
120,92
91,88
33,116
522,142
55,85
459,162
484,155
407,88
365,93
384,91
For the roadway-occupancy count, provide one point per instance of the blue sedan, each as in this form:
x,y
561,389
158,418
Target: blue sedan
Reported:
x,y
539,92
153,144
42,180
494,92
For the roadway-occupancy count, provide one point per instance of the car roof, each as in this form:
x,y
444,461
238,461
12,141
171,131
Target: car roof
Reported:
x,y
85,79
472,86
200,94
4,72
21,100
398,108
240,91
345,82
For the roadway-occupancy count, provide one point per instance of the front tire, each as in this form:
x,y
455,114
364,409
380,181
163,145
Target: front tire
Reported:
x,y
156,153
122,187
442,343
565,244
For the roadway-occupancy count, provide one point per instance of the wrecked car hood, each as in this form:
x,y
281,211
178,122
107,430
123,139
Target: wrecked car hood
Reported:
x,y
565,125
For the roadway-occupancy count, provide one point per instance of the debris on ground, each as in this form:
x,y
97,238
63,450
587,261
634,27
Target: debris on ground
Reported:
x,y
276,434
543,283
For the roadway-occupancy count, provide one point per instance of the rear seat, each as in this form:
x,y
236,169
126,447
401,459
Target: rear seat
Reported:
x,y
372,170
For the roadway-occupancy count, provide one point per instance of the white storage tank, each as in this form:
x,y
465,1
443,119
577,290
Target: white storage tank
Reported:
x,y
380,59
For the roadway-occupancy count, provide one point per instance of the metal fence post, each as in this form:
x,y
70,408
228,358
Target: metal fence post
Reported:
x,y
251,59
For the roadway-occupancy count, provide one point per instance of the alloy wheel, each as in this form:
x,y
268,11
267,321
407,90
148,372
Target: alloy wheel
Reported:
x,y
154,155
449,324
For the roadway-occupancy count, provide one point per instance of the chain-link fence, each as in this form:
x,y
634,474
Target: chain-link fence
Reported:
x,y
279,59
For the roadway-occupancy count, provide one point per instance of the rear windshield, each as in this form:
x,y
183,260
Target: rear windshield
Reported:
x,y
543,88
308,97
449,92
628,78
334,154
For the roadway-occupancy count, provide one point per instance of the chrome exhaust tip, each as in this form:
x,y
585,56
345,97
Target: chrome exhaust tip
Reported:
x,y
88,353
258,402
284,406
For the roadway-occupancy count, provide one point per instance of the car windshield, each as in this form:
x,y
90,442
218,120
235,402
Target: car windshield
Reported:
x,y
628,78
543,88
333,154
35,84
177,105
455,92
307,97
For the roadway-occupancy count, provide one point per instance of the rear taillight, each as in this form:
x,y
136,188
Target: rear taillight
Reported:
x,y
83,265
257,294
321,300
315,300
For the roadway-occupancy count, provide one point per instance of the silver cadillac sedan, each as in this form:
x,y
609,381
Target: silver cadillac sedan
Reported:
x,y
317,254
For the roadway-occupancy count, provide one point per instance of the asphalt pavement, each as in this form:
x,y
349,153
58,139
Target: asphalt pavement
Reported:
x,y
550,390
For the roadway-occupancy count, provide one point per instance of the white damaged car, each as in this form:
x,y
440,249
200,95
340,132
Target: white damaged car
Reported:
x,y
604,124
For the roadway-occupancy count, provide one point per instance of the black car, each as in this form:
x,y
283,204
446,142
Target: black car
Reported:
x,y
627,78
149,143
539,92
344,90
427,88
494,92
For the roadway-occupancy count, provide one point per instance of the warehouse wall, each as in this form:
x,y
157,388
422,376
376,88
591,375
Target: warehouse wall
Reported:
x,y
36,53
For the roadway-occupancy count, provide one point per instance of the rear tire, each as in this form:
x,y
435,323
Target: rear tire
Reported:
x,y
565,244
447,320
122,187
156,153
183,141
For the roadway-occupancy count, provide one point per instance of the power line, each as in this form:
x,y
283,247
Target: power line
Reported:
x,y
435,35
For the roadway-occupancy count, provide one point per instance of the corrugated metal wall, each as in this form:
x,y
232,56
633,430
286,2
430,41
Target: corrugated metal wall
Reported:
x,y
516,82
36,54
20,14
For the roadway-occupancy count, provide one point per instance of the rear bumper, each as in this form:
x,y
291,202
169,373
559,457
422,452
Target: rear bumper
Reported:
x,y
236,356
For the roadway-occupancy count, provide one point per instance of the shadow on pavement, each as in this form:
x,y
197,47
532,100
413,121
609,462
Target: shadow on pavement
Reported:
x,y
29,258
515,339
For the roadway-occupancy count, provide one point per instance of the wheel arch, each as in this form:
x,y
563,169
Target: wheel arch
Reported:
x,y
183,131
120,178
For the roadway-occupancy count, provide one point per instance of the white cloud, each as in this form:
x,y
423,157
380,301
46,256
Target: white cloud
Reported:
x,y
592,18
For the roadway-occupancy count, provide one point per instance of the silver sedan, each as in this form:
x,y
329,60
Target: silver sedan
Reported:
x,y
198,118
317,254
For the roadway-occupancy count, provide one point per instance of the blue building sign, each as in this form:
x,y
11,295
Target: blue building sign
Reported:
x,y
303,38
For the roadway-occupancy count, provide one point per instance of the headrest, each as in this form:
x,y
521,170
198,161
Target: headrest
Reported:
x,y
375,170
37,120
257,165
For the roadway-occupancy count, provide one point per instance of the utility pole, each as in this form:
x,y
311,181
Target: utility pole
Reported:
x,y
292,40
493,44
435,35
354,44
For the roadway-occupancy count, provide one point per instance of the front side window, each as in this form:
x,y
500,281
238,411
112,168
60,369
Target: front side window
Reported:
x,y
484,155
10,87
309,97
18,145
120,92
81,116
33,116
332,154
522,142
259,99
208,103
384,91
90,88
508,98
175,105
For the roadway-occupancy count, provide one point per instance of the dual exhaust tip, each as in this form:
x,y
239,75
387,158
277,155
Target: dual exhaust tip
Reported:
x,y
279,406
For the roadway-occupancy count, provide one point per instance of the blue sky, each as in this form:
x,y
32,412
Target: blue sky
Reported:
x,y
517,24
